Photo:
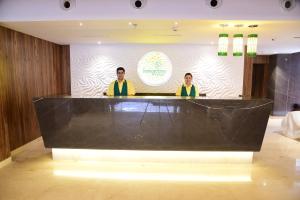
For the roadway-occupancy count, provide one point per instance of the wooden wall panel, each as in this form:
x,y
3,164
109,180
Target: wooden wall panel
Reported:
x,y
247,80
248,70
64,73
4,137
34,67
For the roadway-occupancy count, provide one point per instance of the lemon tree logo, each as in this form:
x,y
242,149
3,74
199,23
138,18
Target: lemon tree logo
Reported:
x,y
154,68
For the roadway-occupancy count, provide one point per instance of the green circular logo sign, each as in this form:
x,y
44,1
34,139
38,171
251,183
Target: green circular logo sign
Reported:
x,y
154,68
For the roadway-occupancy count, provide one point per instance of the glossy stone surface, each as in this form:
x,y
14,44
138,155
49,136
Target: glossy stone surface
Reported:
x,y
153,123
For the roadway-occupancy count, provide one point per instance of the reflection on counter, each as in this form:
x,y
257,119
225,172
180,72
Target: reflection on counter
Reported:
x,y
144,107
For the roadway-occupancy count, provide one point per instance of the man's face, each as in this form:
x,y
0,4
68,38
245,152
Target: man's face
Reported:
x,y
120,74
188,79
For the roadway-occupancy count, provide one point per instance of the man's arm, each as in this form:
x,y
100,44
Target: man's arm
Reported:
x,y
131,89
197,91
110,90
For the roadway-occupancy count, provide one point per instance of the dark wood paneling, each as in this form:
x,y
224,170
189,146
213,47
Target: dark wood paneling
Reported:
x,y
248,72
4,137
257,80
260,59
34,67
247,80
64,74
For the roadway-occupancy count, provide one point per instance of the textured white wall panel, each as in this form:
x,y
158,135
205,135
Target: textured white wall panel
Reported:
x,y
93,68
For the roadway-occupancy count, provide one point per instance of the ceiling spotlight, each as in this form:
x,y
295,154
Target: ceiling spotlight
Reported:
x,y
264,183
138,4
287,5
213,3
253,26
132,25
175,26
223,25
239,25
80,24
99,42
67,4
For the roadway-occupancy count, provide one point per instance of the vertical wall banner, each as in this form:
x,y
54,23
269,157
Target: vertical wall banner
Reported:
x,y
155,68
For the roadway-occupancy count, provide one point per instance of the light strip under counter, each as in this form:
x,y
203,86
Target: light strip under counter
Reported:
x,y
230,157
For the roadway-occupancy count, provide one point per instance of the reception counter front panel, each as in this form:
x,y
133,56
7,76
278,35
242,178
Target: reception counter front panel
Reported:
x,y
153,123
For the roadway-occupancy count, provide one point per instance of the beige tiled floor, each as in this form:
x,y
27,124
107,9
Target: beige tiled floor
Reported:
x,y
274,175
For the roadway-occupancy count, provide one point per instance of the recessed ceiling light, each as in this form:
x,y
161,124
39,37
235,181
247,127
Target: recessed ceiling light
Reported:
x,y
238,25
264,183
175,26
80,24
223,25
99,42
253,26
132,25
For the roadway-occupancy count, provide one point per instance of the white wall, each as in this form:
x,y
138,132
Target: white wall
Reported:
x,y
93,68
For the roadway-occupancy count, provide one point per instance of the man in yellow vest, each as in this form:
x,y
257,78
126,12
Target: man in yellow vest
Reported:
x,y
187,89
121,87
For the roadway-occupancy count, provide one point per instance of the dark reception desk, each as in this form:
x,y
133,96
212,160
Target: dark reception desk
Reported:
x,y
153,123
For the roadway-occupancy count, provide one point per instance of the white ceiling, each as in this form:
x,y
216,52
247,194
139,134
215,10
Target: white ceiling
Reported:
x,y
201,32
49,10
107,21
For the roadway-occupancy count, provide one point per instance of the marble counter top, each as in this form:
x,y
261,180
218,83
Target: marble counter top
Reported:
x,y
153,123
145,97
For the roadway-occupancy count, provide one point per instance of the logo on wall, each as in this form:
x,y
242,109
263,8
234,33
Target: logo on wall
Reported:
x,y
154,68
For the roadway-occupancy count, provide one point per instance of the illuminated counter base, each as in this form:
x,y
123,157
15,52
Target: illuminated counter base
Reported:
x,y
197,157
165,129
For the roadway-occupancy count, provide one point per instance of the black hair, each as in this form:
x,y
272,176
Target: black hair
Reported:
x,y
120,68
188,74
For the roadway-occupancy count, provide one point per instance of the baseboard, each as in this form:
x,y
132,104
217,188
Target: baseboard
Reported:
x,y
5,162
22,148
